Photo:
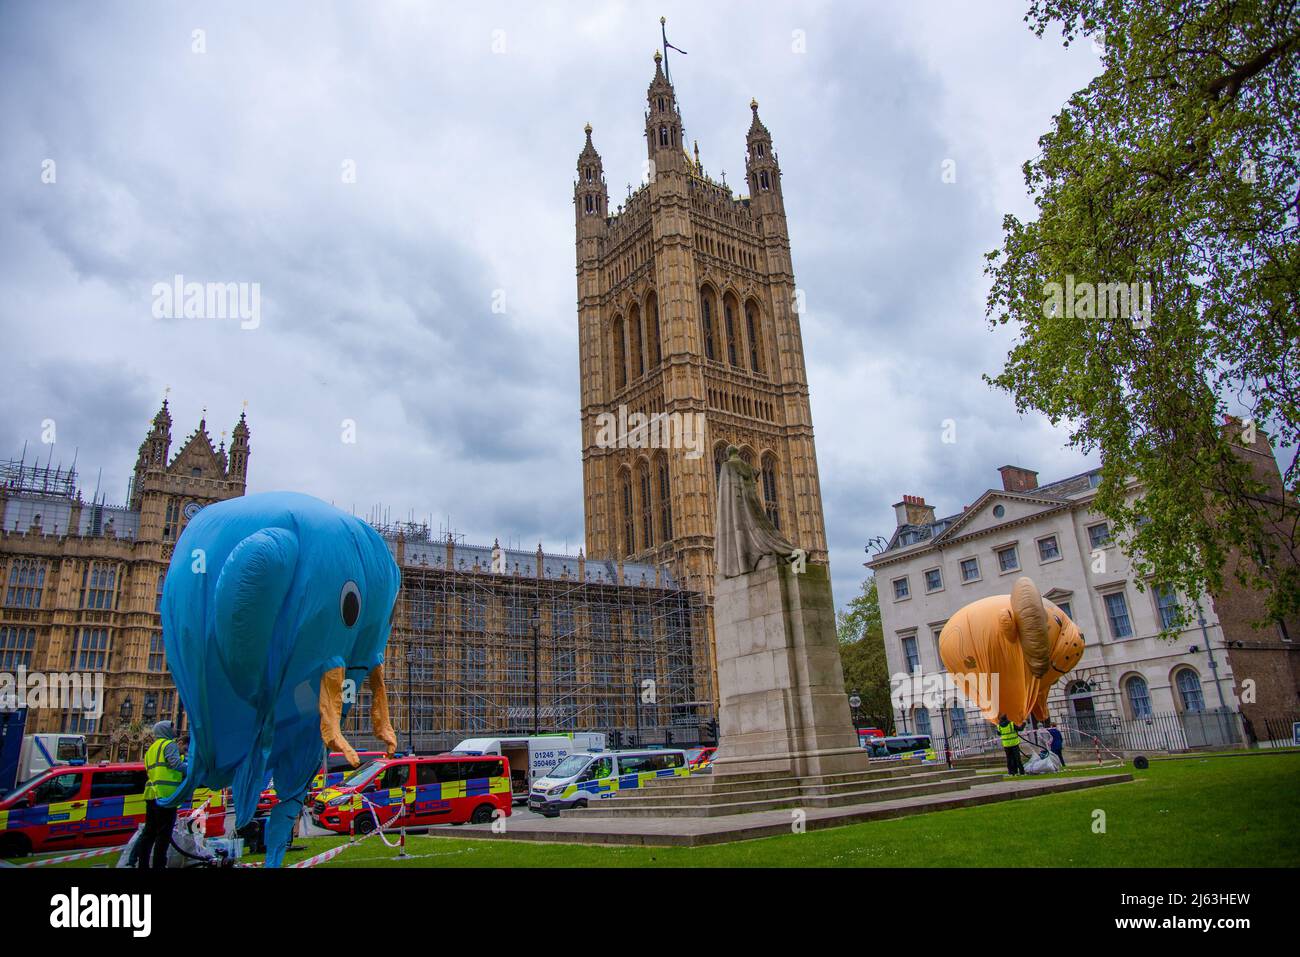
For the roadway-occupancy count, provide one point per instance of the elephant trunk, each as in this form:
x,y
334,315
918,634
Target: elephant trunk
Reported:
x,y
379,722
331,713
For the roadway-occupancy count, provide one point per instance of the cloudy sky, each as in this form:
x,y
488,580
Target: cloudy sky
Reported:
x,y
221,156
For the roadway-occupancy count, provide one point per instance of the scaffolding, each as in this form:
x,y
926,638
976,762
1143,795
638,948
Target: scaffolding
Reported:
x,y
495,641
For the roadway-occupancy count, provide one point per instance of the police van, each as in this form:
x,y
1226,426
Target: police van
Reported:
x,y
532,756
581,778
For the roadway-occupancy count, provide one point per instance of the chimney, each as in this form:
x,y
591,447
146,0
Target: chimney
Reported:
x,y
1016,479
912,510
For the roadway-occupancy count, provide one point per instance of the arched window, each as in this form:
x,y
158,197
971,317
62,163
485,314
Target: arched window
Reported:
x,y
922,716
706,319
665,501
729,315
638,354
763,181
620,354
1138,696
652,310
767,478
755,337
647,505
629,523
591,204
1190,695
663,136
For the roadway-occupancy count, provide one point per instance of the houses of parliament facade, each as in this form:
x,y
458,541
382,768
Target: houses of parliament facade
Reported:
x,y
686,304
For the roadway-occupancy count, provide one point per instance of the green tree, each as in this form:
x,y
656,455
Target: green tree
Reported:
x,y
1176,167
862,655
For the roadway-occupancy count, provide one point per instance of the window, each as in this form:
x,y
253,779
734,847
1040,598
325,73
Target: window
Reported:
x,y
172,520
629,525
107,784
1048,550
1117,615
61,787
562,620
901,589
97,584
1190,695
730,322
1065,607
706,318
970,569
89,650
933,580
157,601
999,510
959,721
922,715
16,648
396,776
665,501
156,654
26,581
1167,606
647,506
517,618
620,354
755,346
1139,697
1099,535
1008,559
911,653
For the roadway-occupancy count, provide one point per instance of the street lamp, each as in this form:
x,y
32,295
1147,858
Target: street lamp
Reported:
x,y
855,702
410,707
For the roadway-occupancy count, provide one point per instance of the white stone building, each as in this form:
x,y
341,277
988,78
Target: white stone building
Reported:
x,y
1128,677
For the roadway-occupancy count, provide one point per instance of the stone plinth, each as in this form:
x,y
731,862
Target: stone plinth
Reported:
x,y
780,683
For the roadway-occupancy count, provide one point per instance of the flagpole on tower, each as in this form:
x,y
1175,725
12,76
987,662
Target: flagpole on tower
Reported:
x,y
663,35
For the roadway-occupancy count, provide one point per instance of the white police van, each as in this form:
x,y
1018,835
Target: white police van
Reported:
x,y
581,778
532,756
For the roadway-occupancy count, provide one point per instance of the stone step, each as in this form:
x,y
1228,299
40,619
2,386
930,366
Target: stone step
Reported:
x,y
648,806
658,795
717,783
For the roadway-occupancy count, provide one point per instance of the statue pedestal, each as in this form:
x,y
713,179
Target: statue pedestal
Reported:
x,y
780,683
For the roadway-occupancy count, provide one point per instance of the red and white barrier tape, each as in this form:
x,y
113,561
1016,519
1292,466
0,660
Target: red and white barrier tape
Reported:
x,y
72,857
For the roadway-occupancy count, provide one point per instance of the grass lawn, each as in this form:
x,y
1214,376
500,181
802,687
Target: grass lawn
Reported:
x,y
1199,812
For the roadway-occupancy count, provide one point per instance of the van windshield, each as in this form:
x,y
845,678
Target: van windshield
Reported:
x,y
570,766
362,775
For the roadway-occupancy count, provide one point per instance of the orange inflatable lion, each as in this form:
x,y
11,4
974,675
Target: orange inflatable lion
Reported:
x,y
1007,651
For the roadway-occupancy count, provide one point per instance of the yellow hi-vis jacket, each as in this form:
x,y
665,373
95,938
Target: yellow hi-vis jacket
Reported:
x,y
1009,737
163,780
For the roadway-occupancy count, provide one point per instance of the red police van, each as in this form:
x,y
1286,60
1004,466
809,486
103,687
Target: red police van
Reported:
x,y
101,805
434,789
336,769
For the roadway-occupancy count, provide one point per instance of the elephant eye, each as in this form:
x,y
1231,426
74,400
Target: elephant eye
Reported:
x,y
350,603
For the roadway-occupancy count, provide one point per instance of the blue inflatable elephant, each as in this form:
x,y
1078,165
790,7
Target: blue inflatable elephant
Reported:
x,y
274,607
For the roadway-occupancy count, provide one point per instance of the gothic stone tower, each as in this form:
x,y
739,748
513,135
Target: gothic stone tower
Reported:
x,y
687,304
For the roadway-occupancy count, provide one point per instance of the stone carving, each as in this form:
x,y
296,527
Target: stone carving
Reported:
x,y
743,533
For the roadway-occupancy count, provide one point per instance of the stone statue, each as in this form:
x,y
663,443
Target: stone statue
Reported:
x,y
743,533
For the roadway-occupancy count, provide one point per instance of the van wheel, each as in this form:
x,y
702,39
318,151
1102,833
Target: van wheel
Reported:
x,y
364,824
482,814
582,803
15,845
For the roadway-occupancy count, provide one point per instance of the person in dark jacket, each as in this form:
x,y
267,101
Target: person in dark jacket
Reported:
x,y
1058,743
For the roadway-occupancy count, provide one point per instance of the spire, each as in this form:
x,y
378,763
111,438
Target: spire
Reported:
x,y
590,195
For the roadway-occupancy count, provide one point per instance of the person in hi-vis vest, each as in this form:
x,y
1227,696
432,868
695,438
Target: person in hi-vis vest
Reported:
x,y
165,767
1011,744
